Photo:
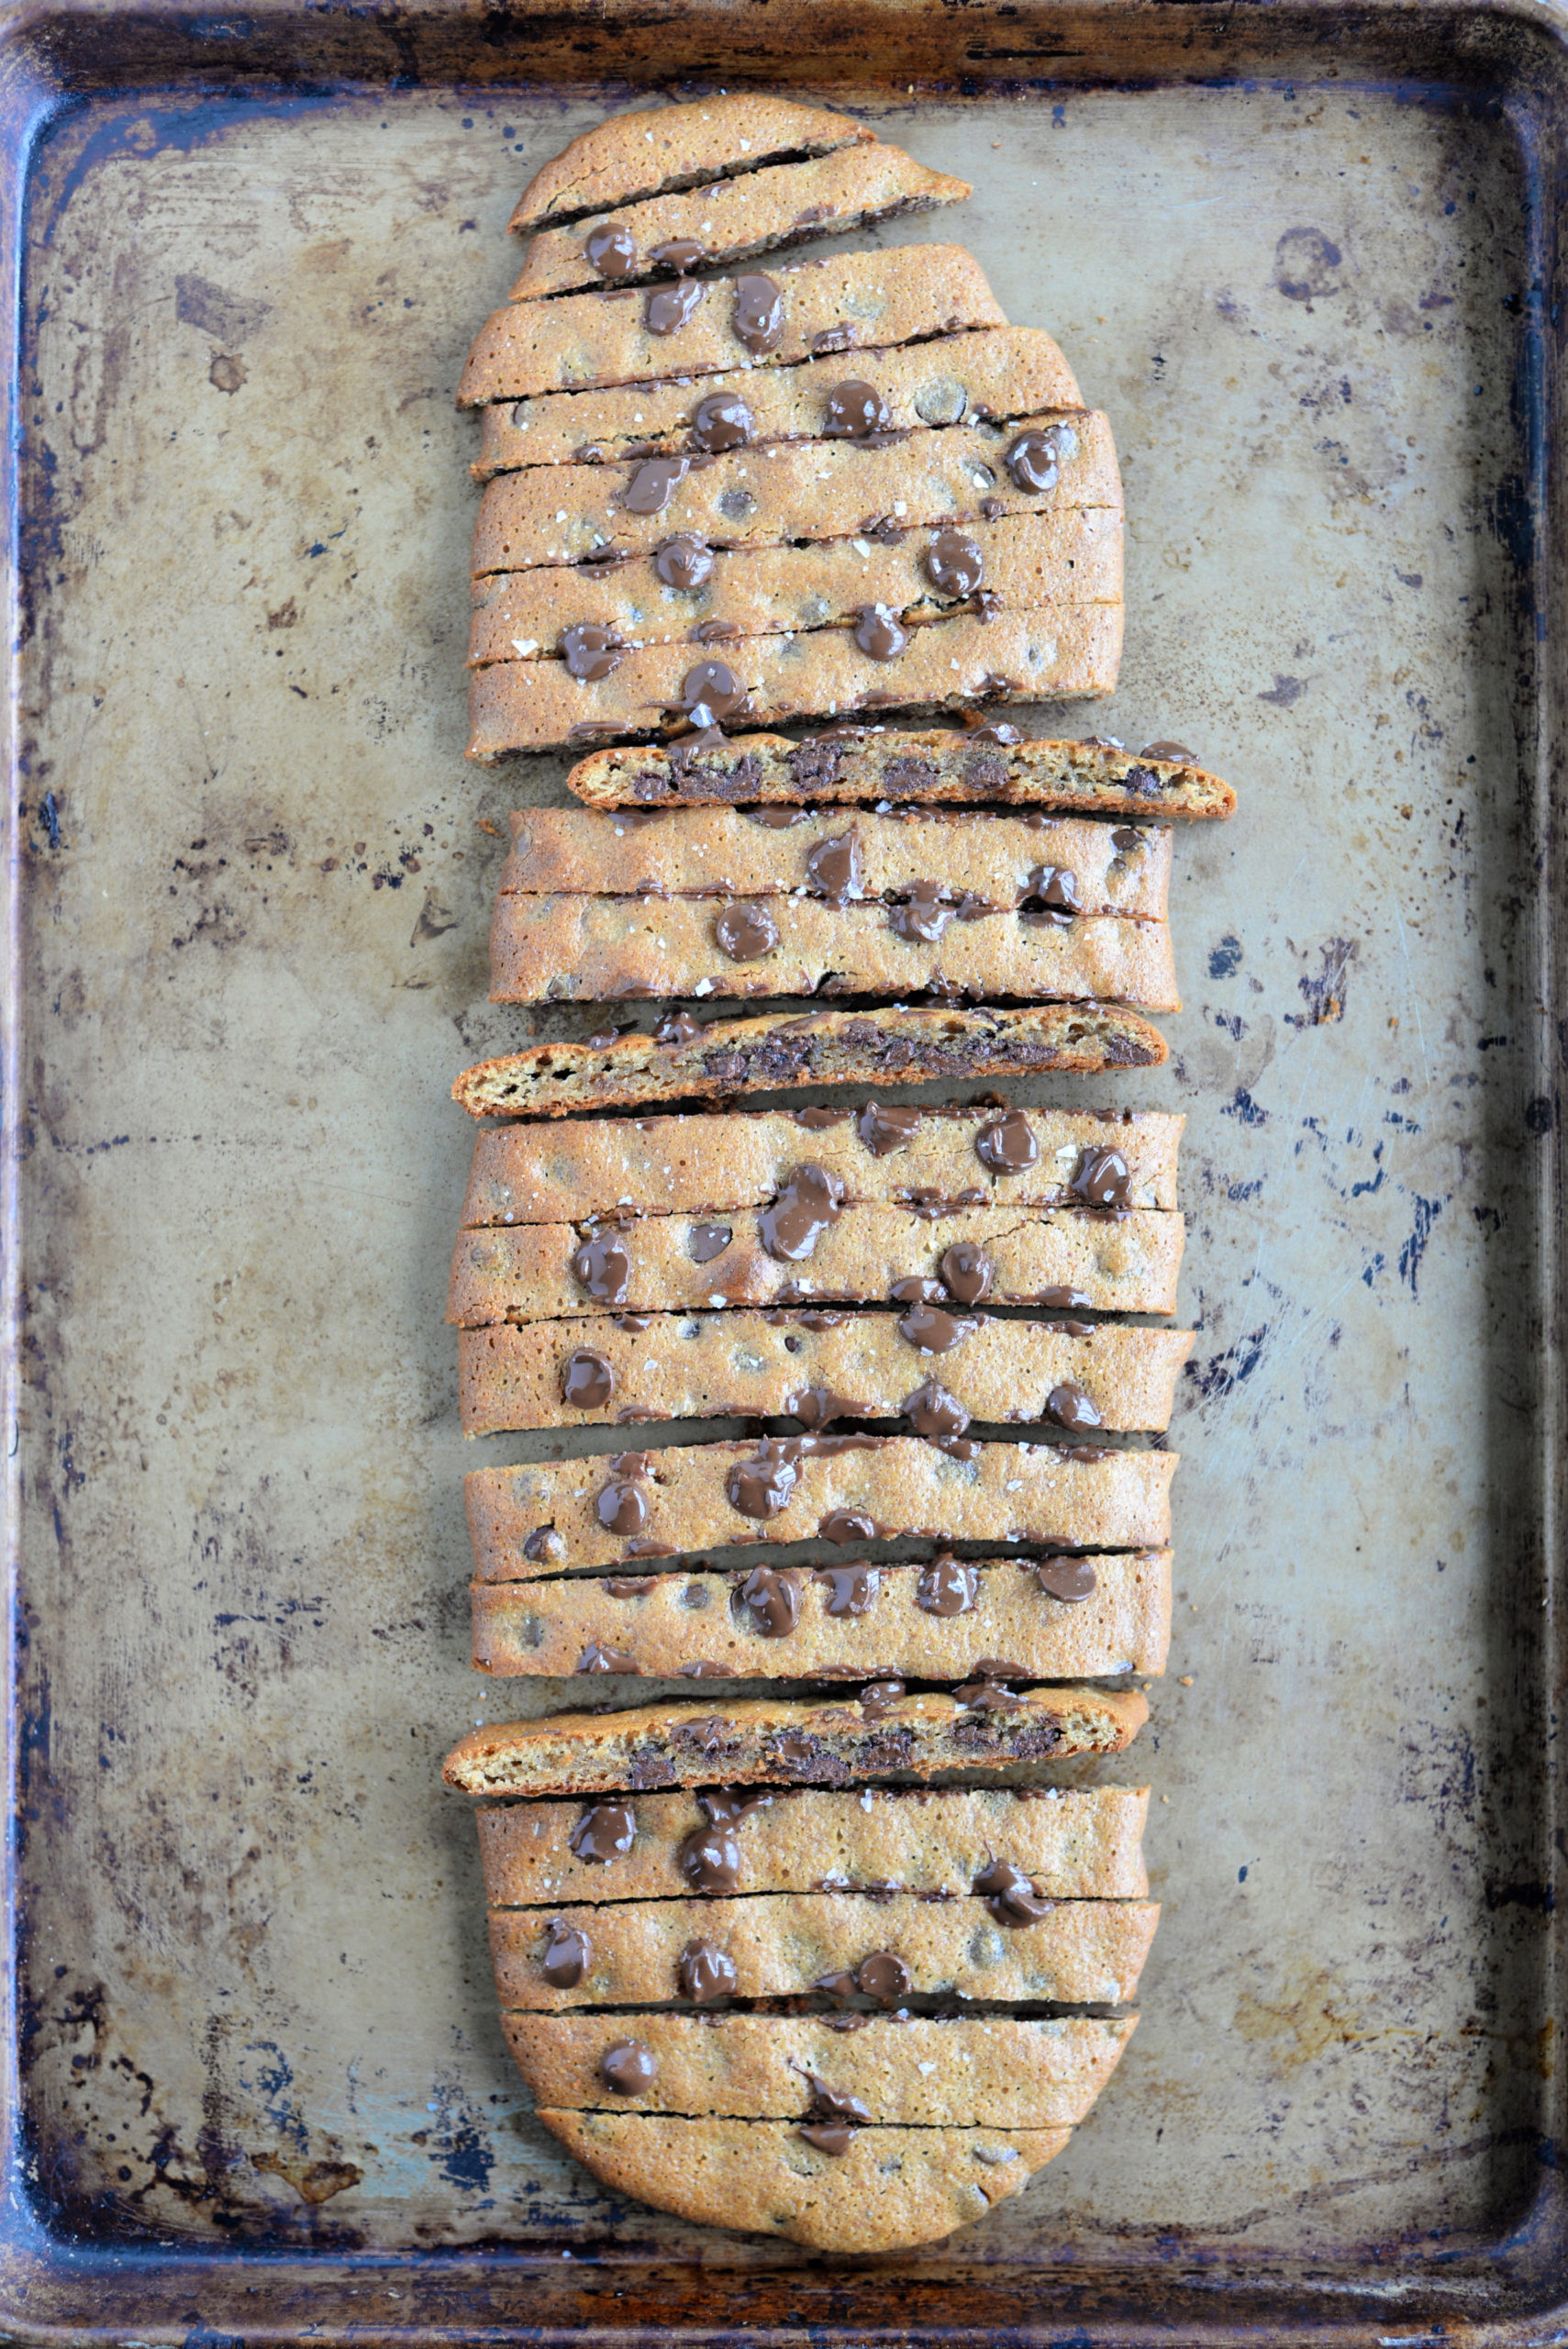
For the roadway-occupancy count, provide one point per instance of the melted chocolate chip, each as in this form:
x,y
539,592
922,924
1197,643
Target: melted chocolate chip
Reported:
x,y
671,308
626,1585
835,337
607,1831
817,1407
709,1858
611,249
587,1380
931,1331
773,1594
923,915
758,319
835,867
708,1972
854,410
596,1657
654,484
1008,1894
827,2136
808,1205
918,1289
1034,460
840,1986
988,1697
544,1542
1007,1144
954,565
1062,1300
885,1977
1173,753
1068,1579
603,1266
997,729
633,1322
722,422
885,1128
774,817
968,1272
700,1671
762,1487
880,634
946,1587
880,1697
568,1955
622,1506
931,1411
845,1525
746,932
834,2104
1052,895
684,561
707,1240
884,529
680,253
1102,1178
628,2068
591,652
1070,1407
852,1590
712,686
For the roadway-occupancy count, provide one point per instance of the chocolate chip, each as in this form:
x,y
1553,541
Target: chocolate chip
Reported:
x,y
622,1506
946,1587
746,932
568,1955
997,729
1008,1894
628,2068
603,1266
845,1525
1173,753
854,408
1052,895
808,1203
931,1331
587,1380
918,1289
681,562
591,652
700,1671
605,1832
544,1542
817,1407
611,249
885,1128
654,484
773,1594
1007,1144
1064,1301
707,1240
758,319
879,1698
708,1972
988,1697
931,1411
712,687
680,253
1068,1579
852,1590
954,565
1102,1178
827,2136
1034,460
835,337
835,867
671,308
885,1977
923,915
968,1272
879,632
709,1858
628,1586
596,1657
760,1488
1071,1409
722,422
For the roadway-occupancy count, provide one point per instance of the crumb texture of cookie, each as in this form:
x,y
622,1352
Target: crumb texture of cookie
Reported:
x,y
686,1061
732,220
973,2071
657,149
1072,1842
761,1740
889,2189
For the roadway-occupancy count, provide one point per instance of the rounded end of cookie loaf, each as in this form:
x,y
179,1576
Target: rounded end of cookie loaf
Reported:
x,y
883,2190
854,762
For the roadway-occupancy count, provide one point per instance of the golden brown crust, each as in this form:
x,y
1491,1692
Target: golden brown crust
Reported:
x,y
583,340
1080,1953
877,763
734,219
889,2189
895,1044
1051,1256
967,2072
1074,1843
578,1623
1033,562
1069,653
656,148
775,1741
991,374
754,1365
1006,1492
792,489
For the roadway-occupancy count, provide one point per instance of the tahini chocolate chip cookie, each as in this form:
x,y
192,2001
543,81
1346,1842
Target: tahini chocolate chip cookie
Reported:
x,y
819,1741
551,1516
1077,1842
873,763
732,220
1060,1258
683,1060
658,149
884,2190
969,2071
840,303
986,376
593,615
943,1621
815,1368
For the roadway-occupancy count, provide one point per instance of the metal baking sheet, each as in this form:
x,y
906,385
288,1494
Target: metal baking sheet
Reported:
x,y
1306,260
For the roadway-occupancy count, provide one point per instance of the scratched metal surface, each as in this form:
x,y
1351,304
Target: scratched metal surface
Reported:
x,y
256,891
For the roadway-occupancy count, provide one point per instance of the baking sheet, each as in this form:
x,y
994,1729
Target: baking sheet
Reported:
x,y
256,879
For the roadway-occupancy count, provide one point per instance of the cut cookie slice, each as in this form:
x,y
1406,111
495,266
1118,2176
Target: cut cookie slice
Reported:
x,y
762,1741
1079,1842
1026,562
813,1366
872,762
888,2191
658,149
733,221
999,861
1067,652
991,374
840,303
797,490
552,1516
1076,1953
857,1621
1055,1257
898,1043
969,2071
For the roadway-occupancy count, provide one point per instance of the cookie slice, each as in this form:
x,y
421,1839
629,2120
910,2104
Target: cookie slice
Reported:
x,y
685,1060
658,149
550,1515
819,1741
992,373
813,1366
889,1947
889,2189
854,1621
964,2071
732,220
1055,1257
872,762
840,303
1068,653
1080,1843
797,490
1026,562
